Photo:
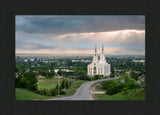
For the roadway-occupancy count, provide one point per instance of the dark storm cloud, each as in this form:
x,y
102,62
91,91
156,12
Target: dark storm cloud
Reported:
x,y
78,24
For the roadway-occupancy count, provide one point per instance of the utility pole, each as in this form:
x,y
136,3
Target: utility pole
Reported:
x,y
115,73
68,82
64,84
58,85
74,81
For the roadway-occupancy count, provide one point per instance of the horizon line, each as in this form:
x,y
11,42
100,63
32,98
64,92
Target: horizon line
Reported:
x,y
73,54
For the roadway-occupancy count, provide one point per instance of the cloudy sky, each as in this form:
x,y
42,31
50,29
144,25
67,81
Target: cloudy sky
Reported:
x,y
78,34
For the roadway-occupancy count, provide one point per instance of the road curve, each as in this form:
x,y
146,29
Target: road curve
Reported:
x,y
83,92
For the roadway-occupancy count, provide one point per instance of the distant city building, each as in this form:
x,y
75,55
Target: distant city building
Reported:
x,y
81,61
56,70
32,59
40,76
128,72
25,60
45,61
142,61
66,70
99,67
58,76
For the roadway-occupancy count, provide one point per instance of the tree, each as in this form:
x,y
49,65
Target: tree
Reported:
x,y
79,71
112,75
97,77
17,79
134,75
107,84
84,77
115,89
17,69
44,73
53,91
59,72
64,84
51,74
27,81
24,83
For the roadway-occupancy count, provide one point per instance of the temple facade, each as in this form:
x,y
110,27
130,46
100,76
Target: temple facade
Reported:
x,y
99,66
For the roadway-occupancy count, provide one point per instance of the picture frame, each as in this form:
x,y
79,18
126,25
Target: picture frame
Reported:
x,y
8,11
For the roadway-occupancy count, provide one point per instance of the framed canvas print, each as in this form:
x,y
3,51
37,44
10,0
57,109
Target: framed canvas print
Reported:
x,y
80,57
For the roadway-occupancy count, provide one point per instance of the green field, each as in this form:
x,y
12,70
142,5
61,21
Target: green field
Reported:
x,y
132,94
24,94
48,83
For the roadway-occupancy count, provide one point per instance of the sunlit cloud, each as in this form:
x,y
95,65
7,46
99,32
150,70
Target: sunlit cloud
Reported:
x,y
123,38
70,34
60,50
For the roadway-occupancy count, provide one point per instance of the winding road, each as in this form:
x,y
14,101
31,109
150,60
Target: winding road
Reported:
x,y
83,92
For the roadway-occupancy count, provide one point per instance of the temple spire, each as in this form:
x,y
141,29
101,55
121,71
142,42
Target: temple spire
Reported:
x,y
95,50
102,48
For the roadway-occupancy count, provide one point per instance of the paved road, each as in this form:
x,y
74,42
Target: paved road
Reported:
x,y
83,92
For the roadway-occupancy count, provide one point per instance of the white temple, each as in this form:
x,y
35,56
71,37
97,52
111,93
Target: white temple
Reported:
x,y
99,67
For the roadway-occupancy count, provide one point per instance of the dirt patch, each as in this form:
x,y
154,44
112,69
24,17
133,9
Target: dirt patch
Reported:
x,y
94,97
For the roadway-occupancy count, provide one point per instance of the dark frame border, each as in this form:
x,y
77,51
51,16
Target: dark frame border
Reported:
x,y
9,9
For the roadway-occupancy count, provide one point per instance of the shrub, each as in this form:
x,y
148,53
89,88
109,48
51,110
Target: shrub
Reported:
x,y
132,86
114,90
107,77
134,75
143,84
124,91
62,86
96,77
84,77
62,92
65,84
141,92
17,79
32,87
107,84
23,83
53,92
44,92
112,75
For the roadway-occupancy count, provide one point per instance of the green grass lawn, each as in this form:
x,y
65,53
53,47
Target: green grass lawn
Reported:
x,y
76,84
48,83
132,94
24,94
